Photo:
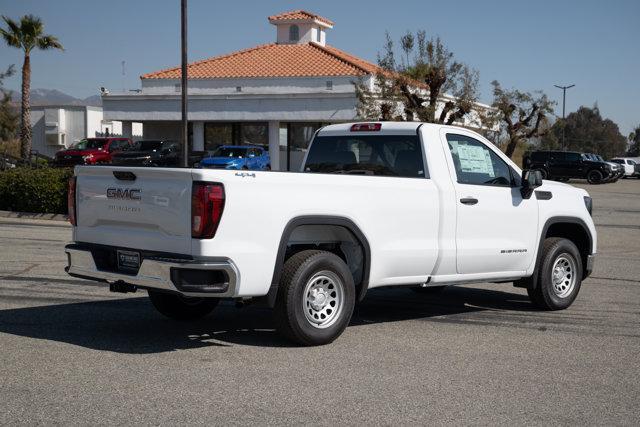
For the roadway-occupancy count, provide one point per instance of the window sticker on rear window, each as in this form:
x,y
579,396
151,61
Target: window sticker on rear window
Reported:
x,y
475,160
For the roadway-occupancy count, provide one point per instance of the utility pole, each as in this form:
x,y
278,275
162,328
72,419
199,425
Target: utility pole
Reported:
x,y
185,126
564,97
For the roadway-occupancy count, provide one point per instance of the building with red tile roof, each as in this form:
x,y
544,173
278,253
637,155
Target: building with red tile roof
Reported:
x,y
275,94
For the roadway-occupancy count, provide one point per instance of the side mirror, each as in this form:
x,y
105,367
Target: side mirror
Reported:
x,y
531,179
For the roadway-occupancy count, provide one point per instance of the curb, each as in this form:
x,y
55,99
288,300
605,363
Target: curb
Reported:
x,y
29,215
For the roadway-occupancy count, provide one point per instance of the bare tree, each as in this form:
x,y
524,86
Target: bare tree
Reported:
x,y
428,84
521,116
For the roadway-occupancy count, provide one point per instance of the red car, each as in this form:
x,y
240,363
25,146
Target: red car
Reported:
x,y
91,151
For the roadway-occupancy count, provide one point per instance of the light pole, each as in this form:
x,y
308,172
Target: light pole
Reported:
x,y
183,81
564,97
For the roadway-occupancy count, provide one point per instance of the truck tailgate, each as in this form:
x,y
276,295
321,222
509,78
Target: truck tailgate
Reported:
x,y
144,208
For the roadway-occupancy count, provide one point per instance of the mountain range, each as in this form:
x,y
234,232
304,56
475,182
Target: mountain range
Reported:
x,y
56,97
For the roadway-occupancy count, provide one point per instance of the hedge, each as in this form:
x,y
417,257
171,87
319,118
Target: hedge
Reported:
x,y
42,190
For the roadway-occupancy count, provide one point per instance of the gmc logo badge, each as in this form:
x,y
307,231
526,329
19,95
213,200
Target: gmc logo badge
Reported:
x,y
123,193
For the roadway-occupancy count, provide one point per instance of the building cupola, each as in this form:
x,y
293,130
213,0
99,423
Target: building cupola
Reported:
x,y
300,27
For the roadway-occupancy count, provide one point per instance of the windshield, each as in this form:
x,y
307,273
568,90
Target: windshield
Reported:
x,y
147,145
598,157
230,152
386,155
89,143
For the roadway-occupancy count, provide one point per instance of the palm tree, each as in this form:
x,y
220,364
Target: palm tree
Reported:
x,y
27,35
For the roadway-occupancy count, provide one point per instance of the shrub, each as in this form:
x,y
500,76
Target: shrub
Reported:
x,y
41,190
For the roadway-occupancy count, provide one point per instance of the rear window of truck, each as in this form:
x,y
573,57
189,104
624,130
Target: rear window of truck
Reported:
x,y
380,155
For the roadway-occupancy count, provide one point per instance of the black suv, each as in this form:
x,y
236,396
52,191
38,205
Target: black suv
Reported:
x,y
149,153
564,165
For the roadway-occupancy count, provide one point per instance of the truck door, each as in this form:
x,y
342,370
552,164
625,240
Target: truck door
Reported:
x,y
496,228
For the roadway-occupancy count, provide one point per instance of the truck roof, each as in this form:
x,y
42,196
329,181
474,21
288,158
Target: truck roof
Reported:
x,y
391,127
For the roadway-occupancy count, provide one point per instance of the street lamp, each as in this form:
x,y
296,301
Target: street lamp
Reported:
x,y
564,97
183,39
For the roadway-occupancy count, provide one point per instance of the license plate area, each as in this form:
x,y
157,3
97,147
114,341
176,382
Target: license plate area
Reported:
x,y
128,261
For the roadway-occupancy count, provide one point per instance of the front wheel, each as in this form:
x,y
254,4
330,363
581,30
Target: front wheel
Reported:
x,y
315,298
182,308
594,177
559,275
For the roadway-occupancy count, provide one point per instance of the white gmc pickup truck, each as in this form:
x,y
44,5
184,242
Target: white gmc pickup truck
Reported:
x,y
375,204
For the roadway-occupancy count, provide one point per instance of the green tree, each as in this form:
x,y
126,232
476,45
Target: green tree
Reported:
x,y
519,116
585,130
634,143
8,115
428,84
27,35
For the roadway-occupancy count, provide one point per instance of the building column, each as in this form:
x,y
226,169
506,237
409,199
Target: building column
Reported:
x,y
274,144
127,129
198,136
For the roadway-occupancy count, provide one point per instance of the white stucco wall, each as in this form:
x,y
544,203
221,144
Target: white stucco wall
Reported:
x,y
281,85
70,122
94,121
305,31
319,108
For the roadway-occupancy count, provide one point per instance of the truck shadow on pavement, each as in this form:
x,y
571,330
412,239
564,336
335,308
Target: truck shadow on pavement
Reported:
x,y
131,325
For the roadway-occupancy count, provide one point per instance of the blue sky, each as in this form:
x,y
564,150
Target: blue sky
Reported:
x,y
529,45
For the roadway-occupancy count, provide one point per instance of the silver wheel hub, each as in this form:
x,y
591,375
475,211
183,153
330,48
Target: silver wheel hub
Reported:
x,y
323,299
563,276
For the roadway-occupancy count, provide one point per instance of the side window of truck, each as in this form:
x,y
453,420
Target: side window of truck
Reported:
x,y
477,164
380,155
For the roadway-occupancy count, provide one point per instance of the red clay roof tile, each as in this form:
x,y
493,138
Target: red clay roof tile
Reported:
x,y
299,15
274,60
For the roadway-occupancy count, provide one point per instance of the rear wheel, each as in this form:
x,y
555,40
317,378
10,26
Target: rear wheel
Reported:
x,y
594,177
559,275
182,308
315,299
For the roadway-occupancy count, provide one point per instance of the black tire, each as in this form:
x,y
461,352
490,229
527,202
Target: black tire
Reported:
x,y
594,177
182,308
427,290
544,173
547,293
293,308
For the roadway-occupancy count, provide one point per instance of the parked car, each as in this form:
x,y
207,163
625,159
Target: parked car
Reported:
x,y
238,157
631,168
377,204
91,151
617,171
149,153
564,165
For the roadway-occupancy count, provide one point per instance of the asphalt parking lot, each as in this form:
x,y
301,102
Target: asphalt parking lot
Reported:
x,y
73,353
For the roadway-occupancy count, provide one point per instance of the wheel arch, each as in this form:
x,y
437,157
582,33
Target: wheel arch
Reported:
x,y
571,228
312,225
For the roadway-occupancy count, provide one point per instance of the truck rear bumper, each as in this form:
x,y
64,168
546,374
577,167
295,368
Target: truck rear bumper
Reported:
x,y
195,278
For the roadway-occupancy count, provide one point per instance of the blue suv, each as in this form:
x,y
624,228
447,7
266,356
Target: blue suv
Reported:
x,y
238,157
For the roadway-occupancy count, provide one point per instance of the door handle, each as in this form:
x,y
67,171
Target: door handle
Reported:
x,y
469,201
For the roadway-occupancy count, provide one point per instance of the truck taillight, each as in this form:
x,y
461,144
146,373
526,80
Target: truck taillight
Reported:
x,y
207,204
71,200
366,127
